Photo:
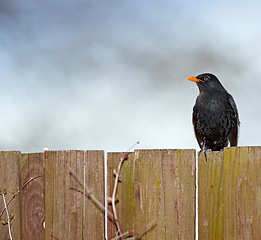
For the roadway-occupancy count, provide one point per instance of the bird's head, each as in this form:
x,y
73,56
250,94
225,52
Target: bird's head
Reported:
x,y
207,82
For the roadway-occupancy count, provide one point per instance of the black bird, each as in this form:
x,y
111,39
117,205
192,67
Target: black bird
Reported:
x,y
215,115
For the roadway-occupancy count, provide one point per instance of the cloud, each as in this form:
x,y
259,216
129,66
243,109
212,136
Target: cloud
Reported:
x,y
81,74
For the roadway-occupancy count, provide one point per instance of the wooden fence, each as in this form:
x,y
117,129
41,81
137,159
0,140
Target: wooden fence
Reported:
x,y
156,194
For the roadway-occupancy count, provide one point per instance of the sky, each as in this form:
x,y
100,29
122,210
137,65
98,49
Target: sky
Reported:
x,y
81,74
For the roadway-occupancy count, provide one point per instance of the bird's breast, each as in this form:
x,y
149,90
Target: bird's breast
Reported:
x,y
213,116
211,103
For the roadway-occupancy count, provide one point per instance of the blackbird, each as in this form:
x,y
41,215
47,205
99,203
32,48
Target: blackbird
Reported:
x,y
215,115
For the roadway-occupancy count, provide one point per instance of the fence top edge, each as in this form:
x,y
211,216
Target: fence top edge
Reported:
x,y
135,150
10,151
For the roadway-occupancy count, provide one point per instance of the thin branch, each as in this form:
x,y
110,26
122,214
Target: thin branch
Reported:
x,y
113,198
112,216
123,235
11,199
7,213
132,146
150,226
89,194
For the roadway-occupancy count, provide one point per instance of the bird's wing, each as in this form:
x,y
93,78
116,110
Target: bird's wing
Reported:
x,y
233,136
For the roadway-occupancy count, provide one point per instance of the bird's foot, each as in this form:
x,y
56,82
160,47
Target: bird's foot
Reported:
x,y
204,150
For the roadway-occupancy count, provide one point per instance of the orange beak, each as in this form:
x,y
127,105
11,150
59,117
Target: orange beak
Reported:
x,y
193,79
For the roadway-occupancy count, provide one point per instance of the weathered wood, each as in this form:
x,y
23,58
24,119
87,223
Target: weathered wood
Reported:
x,y
94,181
166,182
32,197
125,192
149,188
242,193
157,186
179,180
63,205
230,194
9,180
210,195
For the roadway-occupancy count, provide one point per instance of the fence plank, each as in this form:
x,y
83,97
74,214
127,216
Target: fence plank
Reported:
x,y
9,180
242,186
157,185
63,205
32,197
124,210
167,180
94,217
230,193
210,195
149,193
179,179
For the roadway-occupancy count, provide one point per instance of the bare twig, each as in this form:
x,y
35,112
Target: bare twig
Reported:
x,y
11,199
7,213
123,235
113,198
112,216
150,226
89,194
132,146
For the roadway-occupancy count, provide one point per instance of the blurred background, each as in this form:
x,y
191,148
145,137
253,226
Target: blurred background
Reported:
x,y
82,74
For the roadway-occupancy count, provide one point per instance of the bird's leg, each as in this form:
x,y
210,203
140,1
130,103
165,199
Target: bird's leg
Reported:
x,y
204,149
205,155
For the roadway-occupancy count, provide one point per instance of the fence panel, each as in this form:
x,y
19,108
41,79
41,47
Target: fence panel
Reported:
x,y
211,195
125,192
156,194
32,197
230,194
10,180
157,186
63,204
68,214
94,181
242,193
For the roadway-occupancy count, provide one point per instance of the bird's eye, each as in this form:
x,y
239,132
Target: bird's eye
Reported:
x,y
206,78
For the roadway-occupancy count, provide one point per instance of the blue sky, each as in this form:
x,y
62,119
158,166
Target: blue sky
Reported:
x,y
105,74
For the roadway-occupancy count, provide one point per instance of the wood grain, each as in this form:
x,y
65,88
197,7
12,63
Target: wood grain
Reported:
x,y
63,205
242,198
157,186
32,197
94,217
167,181
211,195
125,191
9,180
230,194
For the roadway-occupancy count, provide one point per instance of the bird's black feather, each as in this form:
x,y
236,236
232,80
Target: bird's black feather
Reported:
x,y
215,115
